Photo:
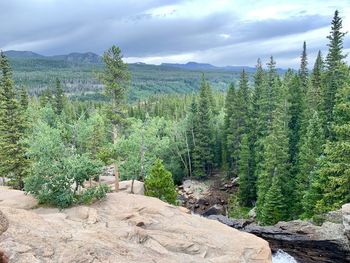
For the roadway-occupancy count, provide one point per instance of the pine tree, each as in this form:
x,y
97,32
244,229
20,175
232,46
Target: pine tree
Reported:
x,y
274,209
229,125
238,121
331,186
335,52
191,126
275,160
23,99
334,62
13,163
115,79
315,92
58,97
258,120
246,190
303,71
203,154
45,97
159,183
310,151
296,107
273,84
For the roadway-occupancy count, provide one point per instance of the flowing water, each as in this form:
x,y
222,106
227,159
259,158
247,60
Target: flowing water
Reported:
x,y
282,257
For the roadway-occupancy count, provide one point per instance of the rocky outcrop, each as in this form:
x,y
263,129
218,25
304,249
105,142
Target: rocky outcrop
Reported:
x,y
16,199
346,219
201,196
125,228
303,240
215,210
3,227
137,186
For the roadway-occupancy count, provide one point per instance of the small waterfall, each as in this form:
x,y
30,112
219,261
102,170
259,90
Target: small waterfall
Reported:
x,y
282,257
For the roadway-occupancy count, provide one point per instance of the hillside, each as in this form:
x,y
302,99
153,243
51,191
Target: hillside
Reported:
x,y
78,71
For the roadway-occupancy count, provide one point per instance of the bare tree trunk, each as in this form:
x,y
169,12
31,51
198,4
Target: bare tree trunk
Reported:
x,y
132,186
116,175
142,156
188,156
116,169
177,150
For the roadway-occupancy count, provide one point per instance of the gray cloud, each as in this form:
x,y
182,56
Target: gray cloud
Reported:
x,y
222,37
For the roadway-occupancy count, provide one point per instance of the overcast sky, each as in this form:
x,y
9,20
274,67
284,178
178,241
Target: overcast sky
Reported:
x,y
220,32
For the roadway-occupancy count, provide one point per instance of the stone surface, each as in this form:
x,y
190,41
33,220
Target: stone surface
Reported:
x,y
195,188
3,223
346,219
215,210
125,228
303,240
16,199
235,223
138,187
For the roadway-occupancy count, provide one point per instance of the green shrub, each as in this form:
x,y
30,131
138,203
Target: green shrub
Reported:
x,y
159,183
56,172
94,193
235,210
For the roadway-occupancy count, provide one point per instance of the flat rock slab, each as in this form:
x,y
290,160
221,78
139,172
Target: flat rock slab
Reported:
x,y
16,199
125,228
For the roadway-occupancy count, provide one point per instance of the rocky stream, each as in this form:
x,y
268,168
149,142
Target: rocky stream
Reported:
x,y
293,241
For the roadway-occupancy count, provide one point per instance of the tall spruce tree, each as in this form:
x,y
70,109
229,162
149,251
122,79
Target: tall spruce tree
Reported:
x,y
303,71
296,98
275,208
259,128
246,190
334,63
310,150
203,153
13,163
314,96
191,129
331,186
58,97
239,124
275,162
229,125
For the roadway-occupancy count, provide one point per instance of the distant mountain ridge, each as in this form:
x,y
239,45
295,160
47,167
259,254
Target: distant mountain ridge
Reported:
x,y
205,66
22,54
92,58
75,57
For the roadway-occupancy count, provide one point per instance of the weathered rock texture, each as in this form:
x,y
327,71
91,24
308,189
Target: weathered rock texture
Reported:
x,y
199,196
346,219
303,240
16,199
3,227
4,224
125,228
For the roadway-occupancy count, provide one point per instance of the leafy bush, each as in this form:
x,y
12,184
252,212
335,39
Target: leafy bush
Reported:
x,y
159,183
94,193
235,210
56,172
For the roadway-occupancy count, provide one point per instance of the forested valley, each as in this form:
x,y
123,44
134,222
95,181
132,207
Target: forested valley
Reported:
x,y
286,137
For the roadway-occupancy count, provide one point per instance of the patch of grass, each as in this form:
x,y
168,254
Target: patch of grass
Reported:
x,y
237,211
